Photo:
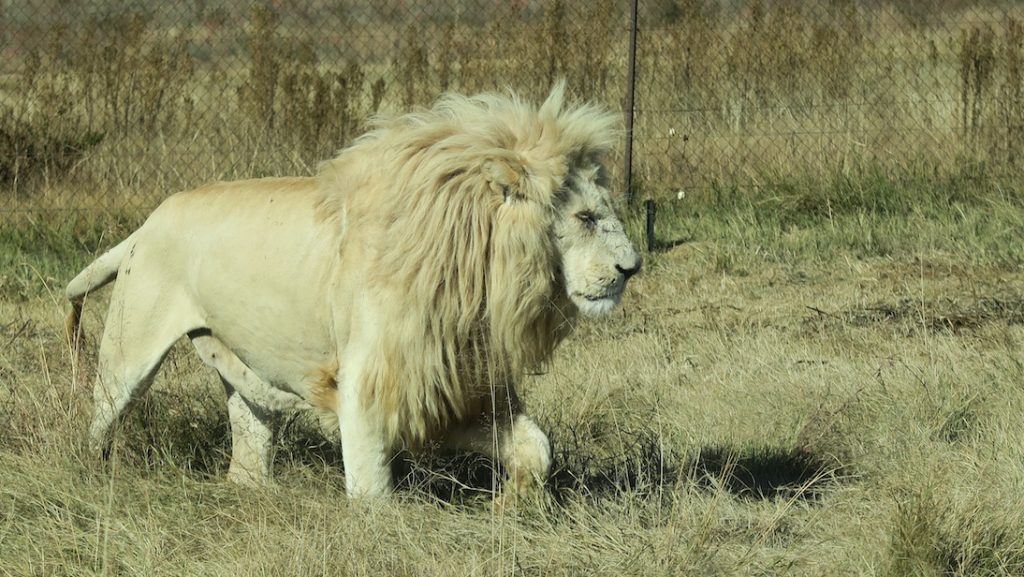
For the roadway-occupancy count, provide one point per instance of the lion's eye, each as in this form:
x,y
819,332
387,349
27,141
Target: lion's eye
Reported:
x,y
588,218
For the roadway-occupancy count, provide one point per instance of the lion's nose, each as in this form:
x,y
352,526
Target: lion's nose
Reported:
x,y
631,268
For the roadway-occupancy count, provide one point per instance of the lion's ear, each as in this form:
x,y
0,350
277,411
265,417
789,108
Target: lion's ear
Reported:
x,y
504,179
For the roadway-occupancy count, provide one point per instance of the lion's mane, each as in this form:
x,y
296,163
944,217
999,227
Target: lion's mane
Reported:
x,y
450,211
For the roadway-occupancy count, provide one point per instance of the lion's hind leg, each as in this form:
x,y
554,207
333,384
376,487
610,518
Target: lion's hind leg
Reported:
x,y
252,439
124,376
252,407
138,334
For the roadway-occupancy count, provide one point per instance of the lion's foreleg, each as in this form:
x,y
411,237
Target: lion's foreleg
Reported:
x,y
365,453
514,440
527,454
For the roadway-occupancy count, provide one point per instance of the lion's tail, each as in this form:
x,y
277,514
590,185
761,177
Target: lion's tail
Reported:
x,y
100,272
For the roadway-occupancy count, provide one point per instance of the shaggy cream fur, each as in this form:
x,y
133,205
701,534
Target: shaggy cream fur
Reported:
x,y
405,289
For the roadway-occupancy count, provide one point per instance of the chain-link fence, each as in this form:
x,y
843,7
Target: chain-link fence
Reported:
x,y
114,105
734,96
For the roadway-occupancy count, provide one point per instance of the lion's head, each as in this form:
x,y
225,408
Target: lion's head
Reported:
x,y
597,256
486,223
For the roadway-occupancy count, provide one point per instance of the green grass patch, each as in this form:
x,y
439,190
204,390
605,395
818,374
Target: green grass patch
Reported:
x,y
970,217
40,251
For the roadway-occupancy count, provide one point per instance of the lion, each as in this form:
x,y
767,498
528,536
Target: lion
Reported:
x,y
404,289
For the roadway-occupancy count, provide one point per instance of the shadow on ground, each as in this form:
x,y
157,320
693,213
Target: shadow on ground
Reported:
x,y
197,439
644,470
765,472
754,473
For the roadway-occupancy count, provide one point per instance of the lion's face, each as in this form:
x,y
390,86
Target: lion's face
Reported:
x,y
597,256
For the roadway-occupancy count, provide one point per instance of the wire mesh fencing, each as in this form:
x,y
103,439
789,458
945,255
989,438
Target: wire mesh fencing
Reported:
x,y
111,106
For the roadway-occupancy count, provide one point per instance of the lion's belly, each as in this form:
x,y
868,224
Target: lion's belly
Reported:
x,y
285,344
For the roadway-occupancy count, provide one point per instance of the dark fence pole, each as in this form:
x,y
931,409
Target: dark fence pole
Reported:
x,y
630,89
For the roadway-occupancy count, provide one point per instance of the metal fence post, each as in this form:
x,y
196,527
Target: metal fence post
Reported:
x,y
630,89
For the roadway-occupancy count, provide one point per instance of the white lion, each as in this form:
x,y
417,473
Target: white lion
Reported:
x,y
404,289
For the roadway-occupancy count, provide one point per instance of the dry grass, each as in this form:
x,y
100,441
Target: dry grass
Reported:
x,y
777,396
817,374
124,109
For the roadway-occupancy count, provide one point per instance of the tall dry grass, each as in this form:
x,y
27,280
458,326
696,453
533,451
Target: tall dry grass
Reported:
x,y
798,410
135,106
818,373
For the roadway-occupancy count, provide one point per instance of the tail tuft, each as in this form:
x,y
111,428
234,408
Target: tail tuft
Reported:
x,y
73,326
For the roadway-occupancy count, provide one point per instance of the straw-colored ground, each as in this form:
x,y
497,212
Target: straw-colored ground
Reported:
x,y
819,372
782,394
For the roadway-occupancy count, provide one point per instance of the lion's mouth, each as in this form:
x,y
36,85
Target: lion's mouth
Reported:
x,y
597,304
601,296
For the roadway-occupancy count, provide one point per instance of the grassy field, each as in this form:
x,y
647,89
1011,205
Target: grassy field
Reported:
x,y
787,391
819,371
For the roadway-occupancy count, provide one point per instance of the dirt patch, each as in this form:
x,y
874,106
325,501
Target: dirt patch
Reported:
x,y
946,314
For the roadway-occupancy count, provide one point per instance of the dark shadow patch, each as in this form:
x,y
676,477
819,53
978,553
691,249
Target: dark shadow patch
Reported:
x,y
641,470
192,433
644,468
454,479
168,430
765,472
302,443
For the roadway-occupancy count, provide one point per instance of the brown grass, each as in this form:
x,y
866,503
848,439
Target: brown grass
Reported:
x,y
817,374
717,425
148,103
